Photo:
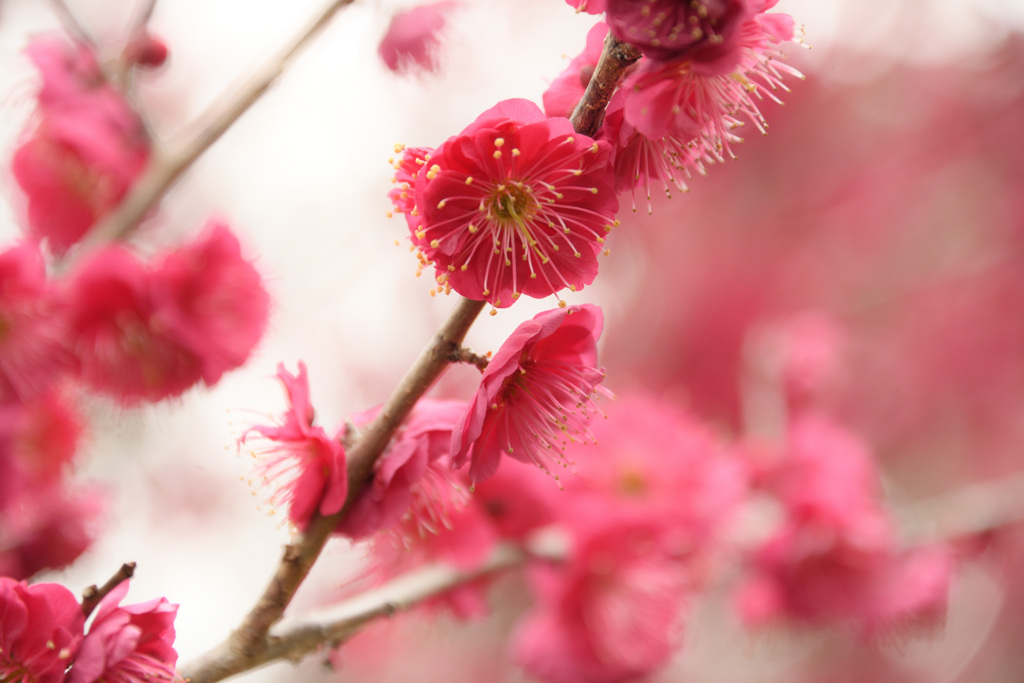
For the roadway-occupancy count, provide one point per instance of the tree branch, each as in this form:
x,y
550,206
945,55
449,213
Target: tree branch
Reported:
x,y
616,57
250,644
165,167
973,509
300,637
92,595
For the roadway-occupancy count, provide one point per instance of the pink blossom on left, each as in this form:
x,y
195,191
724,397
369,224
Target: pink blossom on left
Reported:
x,y
40,631
84,149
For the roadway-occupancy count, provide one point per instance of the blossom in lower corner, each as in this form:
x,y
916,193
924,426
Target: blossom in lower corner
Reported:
x,y
515,204
302,461
40,631
127,643
614,610
536,394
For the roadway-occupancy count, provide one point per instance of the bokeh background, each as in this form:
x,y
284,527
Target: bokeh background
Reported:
x,y
887,198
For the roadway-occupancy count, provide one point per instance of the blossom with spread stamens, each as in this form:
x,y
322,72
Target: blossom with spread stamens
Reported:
x,y
535,395
515,204
667,29
307,466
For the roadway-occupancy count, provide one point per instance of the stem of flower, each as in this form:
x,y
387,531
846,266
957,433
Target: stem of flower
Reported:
x,y
92,595
165,167
248,645
616,57
293,641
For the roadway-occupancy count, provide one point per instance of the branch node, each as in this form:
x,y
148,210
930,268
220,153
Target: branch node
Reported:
x,y
92,595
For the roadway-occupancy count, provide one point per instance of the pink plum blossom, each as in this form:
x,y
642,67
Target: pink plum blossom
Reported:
x,y
536,394
421,440
836,558
588,6
127,643
122,348
306,467
700,30
34,340
40,631
213,300
705,102
145,332
413,37
612,611
83,152
515,204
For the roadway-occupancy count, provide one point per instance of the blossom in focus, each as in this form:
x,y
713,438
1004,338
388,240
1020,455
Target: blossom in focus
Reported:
x,y
413,37
705,102
515,204
424,437
34,339
535,395
127,643
84,150
306,466
212,299
612,611
40,631
701,30
565,92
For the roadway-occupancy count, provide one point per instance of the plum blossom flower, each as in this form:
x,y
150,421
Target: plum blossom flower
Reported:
x,y
413,37
145,332
705,101
515,204
835,558
122,351
40,630
127,643
34,339
667,29
306,466
213,299
425,437
613,611
536,394
588,6
84,151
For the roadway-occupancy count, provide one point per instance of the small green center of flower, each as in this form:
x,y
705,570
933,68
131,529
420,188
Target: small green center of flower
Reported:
x,y
511,203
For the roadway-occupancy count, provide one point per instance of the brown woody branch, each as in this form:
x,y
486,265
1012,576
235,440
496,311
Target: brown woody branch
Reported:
x,y
252,643
335,625
464,355
92,595
616,57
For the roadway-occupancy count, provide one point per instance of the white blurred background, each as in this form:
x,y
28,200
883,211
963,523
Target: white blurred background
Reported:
x,y
303,178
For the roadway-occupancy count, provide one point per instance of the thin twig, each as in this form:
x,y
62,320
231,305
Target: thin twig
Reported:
x,y
464,355
92,595
145,15
165,167
294,640
249,642
616,57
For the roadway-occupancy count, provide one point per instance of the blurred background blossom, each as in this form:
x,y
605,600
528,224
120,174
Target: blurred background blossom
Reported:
x,y
884,203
